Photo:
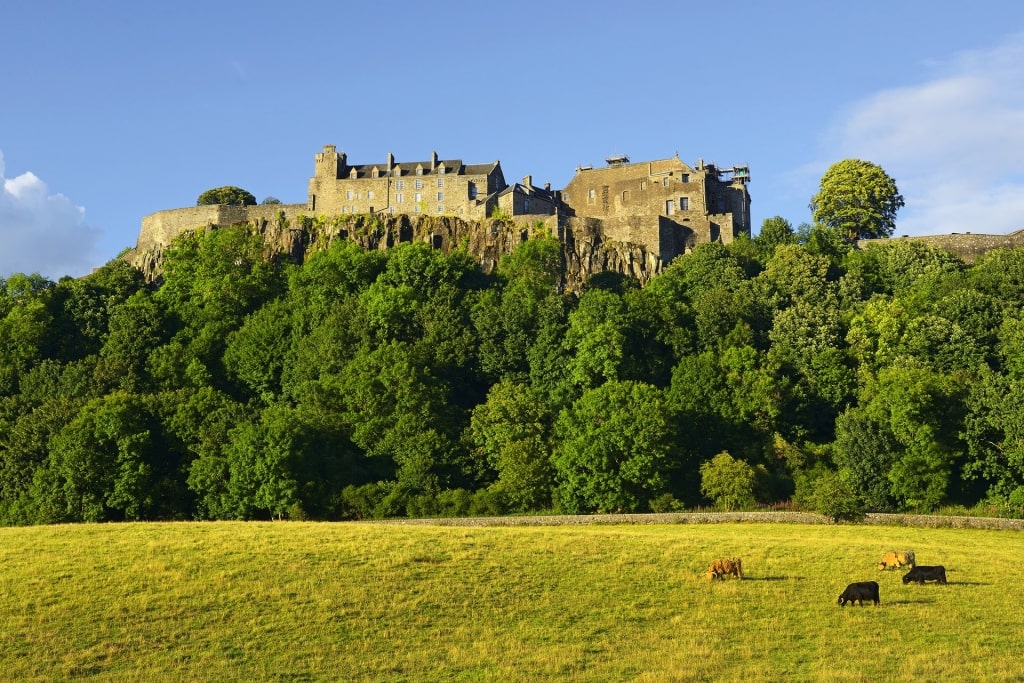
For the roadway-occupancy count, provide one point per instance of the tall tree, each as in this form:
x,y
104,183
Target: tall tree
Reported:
x,y
859,198
228,194
614,448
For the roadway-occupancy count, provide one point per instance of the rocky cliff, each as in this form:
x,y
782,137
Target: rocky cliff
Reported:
x,y
585,251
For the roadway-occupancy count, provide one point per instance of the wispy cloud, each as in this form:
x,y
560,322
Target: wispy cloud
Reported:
x,y
954,144
42,232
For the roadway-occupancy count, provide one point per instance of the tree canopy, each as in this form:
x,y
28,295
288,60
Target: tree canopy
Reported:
x,y
229,194
857,198
370,384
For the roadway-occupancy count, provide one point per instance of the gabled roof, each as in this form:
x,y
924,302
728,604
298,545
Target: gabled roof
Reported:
x,y
531,191
451,166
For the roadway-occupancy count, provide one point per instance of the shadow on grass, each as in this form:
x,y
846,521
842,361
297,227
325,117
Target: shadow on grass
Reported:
x,y
774,578
908,602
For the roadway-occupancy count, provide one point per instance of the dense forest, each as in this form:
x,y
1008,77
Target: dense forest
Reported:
x,y
789,367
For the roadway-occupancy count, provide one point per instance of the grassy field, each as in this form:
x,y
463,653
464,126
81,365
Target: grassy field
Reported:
x,y
386,602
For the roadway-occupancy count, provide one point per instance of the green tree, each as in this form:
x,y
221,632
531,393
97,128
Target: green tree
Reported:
x,y
775,232
836,496
858,198
614,449
109,463
728,482
229,194
511,431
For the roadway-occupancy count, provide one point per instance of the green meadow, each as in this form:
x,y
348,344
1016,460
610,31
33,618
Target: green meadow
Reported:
x,y
290,601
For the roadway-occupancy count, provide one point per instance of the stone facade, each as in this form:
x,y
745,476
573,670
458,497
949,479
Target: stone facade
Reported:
x,y
666,205
434,188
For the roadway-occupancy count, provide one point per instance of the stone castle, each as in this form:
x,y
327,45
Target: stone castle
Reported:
x,y
666,207
629,218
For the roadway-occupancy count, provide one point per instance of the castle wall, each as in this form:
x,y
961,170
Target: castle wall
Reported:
x,y
160,228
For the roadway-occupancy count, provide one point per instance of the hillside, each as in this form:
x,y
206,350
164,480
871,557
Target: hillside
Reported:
x,y
287,232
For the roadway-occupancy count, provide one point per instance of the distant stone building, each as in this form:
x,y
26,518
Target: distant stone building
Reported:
x,y
666,205
434,187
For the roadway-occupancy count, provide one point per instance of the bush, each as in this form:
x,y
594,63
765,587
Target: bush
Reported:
x,y
666,502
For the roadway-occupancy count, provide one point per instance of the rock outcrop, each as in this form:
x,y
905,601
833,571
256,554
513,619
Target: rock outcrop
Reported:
x,y
585,250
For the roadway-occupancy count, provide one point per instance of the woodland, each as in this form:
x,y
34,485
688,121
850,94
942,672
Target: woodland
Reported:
x,y
787,369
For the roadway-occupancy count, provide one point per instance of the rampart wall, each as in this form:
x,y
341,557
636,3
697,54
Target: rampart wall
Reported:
x,y
160,228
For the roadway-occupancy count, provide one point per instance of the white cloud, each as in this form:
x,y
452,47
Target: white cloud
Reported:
x,y
42,232
954,144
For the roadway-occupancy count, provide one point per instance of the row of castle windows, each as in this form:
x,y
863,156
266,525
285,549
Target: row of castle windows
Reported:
x,y
418,184
350,195
391,209
592,193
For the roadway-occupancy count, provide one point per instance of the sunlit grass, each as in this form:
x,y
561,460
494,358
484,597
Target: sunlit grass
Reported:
x,y
385,602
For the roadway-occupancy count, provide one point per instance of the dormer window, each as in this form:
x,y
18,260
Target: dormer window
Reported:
x,y
419,170
440,169
353,174
397,171
374,173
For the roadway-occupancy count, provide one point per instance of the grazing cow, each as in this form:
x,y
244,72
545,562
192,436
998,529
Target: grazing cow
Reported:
x,y
897,558
922,573
862,590
723,566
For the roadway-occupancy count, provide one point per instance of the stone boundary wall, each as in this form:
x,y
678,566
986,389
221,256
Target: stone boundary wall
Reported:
x,y
875,519
967,246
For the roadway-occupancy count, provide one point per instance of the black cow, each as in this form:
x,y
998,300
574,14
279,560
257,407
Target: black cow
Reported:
x,y
862,590
922,573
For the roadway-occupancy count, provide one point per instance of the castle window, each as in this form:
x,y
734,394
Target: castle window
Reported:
x,y
419,170
670,207
472,190
440,170
664,181
440,196
416,208
440,208
625,196
419,184
369,194
375,173
684,203
399,184
591,194
643,185
353,174
396,171
399,198
348,195
526,206
440,182
685,178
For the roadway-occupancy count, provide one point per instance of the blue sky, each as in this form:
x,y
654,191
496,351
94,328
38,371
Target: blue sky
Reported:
x,y
113,110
